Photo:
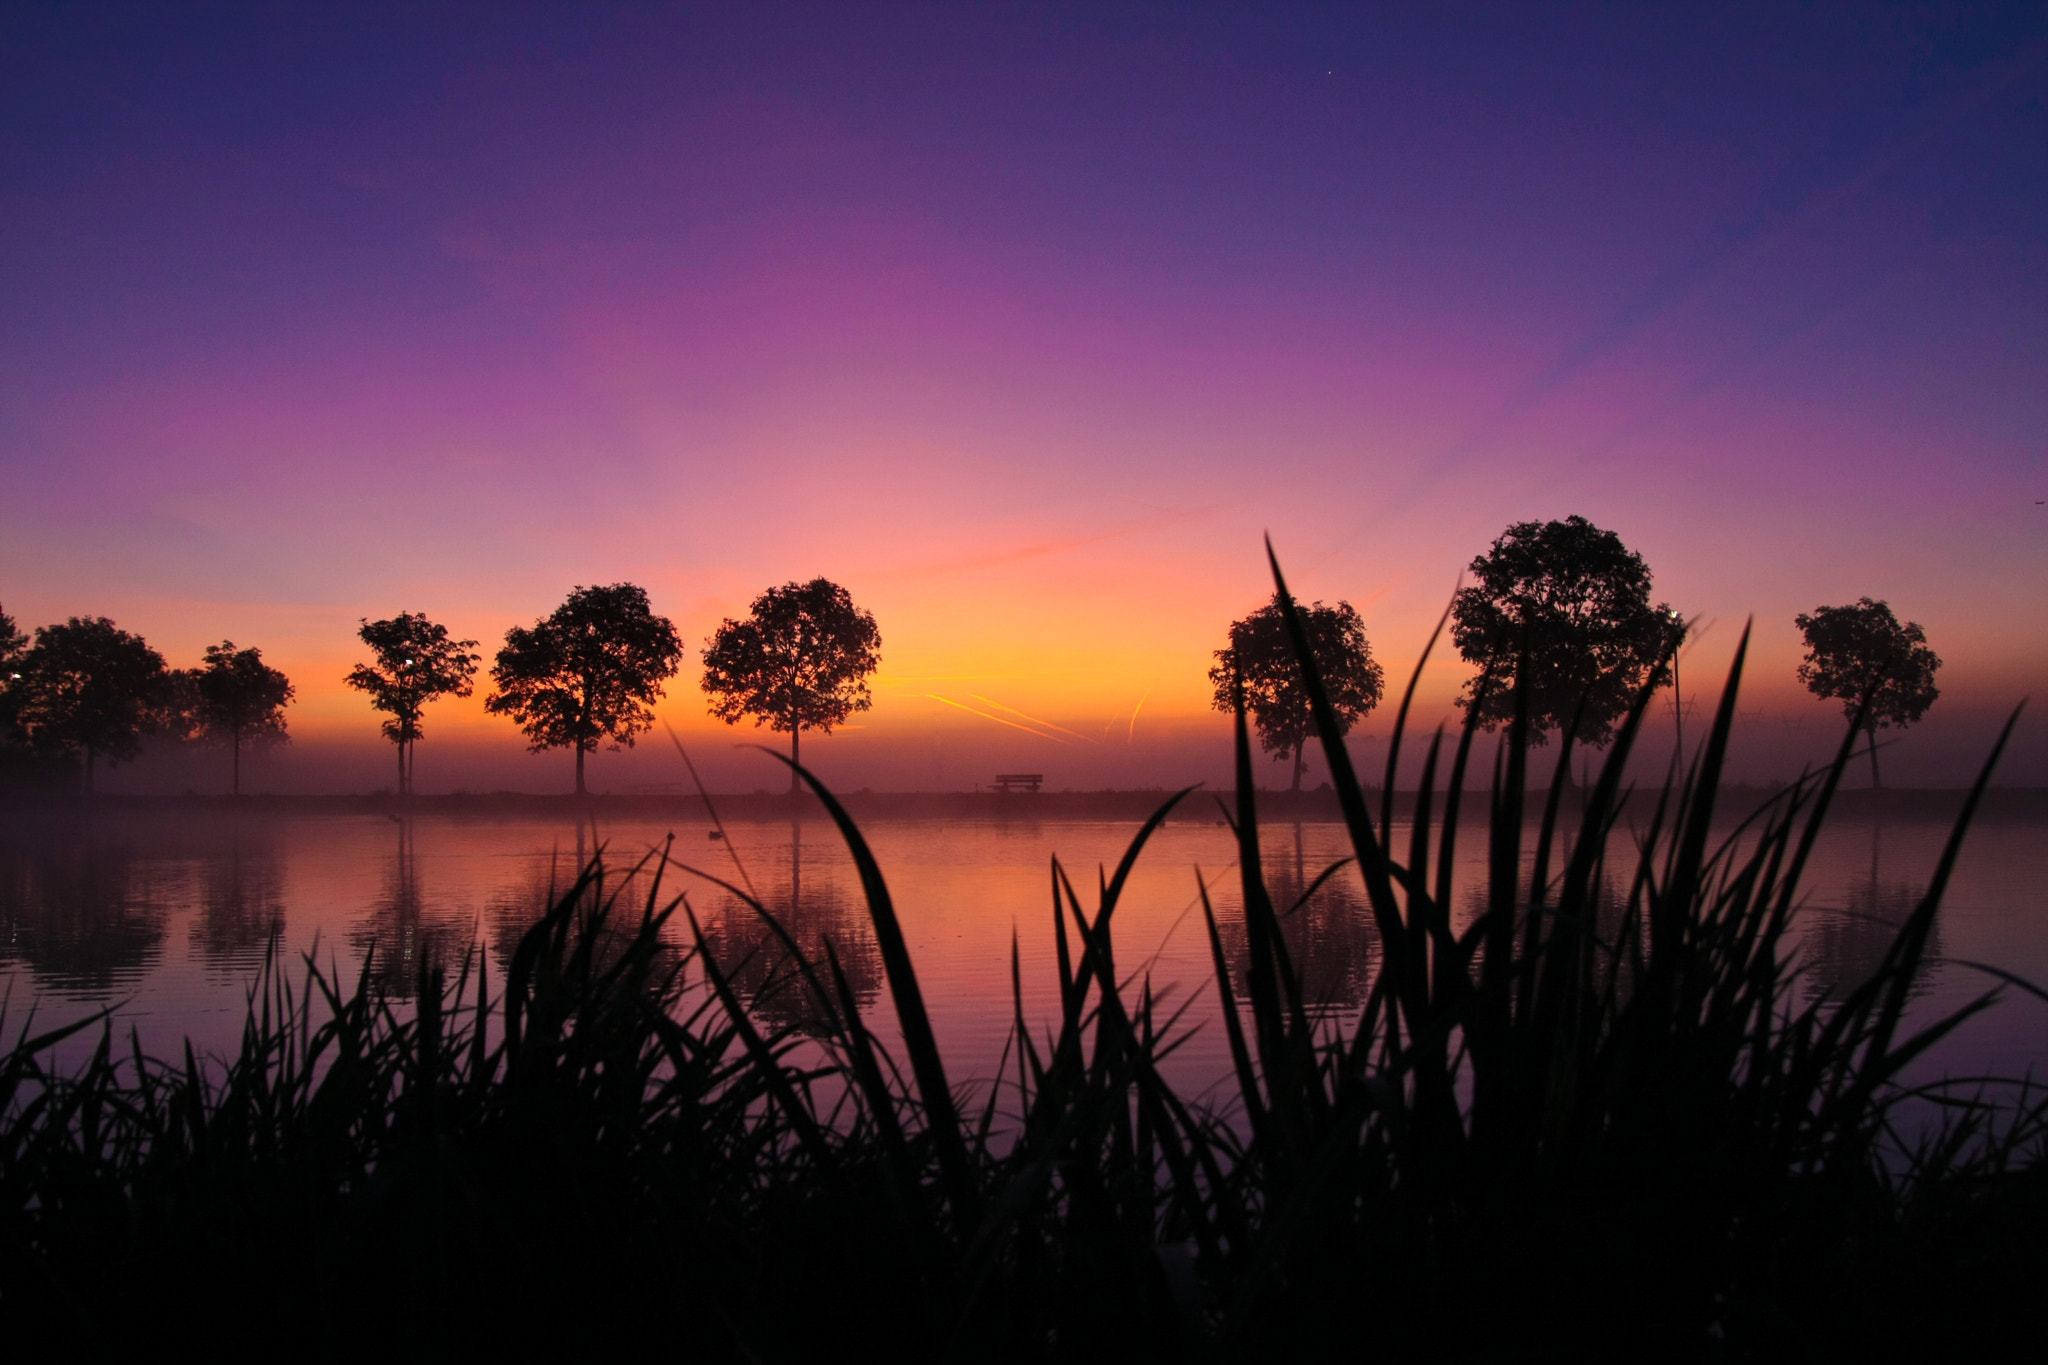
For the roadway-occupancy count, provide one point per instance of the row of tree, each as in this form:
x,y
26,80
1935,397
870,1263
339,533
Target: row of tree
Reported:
x,y
587,674
90,691
1558,614
590,672
1558,618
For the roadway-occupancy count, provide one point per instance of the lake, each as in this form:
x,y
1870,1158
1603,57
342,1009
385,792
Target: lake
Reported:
x,y
164,912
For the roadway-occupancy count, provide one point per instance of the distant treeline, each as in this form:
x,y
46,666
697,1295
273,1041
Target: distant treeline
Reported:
x,y
85,692
1558,619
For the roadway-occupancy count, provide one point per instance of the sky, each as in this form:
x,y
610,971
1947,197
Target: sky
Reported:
x,y
1025,323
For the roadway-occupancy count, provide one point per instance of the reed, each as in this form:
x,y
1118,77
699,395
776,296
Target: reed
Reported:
x,y
1593,1119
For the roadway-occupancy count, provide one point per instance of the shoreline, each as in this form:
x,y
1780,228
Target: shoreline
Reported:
x,y
2000,803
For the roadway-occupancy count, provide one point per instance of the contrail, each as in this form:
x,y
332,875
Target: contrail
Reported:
x,y
997,719
1133,734
990,701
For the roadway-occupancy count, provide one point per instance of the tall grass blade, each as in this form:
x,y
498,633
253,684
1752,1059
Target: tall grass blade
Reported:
x,y
942,1118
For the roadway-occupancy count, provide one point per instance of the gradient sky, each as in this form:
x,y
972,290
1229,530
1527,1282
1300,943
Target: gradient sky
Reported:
x,y
1023,322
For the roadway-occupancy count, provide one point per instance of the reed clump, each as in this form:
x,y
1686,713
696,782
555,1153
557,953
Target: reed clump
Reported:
x,y
1593,1120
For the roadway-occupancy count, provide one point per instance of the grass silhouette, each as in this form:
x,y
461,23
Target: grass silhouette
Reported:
x,y
1600,1120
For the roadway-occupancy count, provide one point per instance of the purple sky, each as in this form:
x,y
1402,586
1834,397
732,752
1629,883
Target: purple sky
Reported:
x,y
1024,323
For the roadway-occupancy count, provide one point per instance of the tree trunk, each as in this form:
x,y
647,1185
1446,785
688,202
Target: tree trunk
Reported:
x,y
401,767
586,733
796,733
1875,780
1678,713
235,742
1299,757
88,770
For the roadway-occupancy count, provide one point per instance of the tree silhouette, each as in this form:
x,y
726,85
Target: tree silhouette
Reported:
x,y
77,904
1861,651
1577,601
236,698
591,671
13,644
415,663
1273,691
800,661
90,689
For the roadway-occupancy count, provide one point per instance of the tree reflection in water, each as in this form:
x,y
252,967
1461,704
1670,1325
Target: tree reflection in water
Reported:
x,y
241,900
627,879
79,906
402,931
756,961
1330,937
1845,944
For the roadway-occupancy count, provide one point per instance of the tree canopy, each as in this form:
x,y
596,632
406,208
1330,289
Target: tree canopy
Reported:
x,y
415,662
1862,655
1578,602
238,699
800,661
90,689
590,671
1273,691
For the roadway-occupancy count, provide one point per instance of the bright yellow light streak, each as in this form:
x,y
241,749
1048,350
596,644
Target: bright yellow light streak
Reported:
x,y
997,719
990,701
1128,738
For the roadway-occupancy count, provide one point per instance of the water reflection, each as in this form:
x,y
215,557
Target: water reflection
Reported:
x,y
1329,935
403,930
242,900
1846,943
625,882
756,960
78,906
169,912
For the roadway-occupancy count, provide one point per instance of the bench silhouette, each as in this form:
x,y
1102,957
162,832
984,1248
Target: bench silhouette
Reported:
x,y
1019,782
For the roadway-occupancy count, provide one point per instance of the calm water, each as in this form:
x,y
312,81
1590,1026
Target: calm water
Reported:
x,y
166,916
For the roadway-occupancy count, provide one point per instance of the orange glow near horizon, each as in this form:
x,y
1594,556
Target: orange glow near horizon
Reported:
x,y
1028,355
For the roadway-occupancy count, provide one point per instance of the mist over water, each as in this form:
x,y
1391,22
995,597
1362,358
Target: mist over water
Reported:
x,y
165,917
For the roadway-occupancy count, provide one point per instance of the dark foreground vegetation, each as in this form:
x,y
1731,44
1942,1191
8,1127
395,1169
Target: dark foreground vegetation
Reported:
x,y
1592,1119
